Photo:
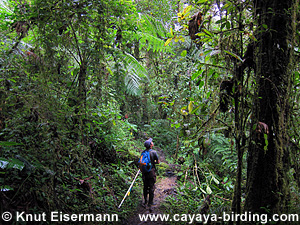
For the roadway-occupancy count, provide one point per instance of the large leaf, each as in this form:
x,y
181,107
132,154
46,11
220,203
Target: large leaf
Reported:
x,y
135,72
9,143
234,55
11,163
4,7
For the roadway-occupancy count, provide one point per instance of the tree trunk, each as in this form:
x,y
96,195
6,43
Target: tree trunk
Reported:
x,y
80,109
82,88
267,188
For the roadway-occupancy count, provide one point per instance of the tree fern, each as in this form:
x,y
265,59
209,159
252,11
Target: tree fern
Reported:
x,y
151,35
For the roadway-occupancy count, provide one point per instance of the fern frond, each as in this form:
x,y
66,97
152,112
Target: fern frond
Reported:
x,y
152,34
155,43
151,41
154,25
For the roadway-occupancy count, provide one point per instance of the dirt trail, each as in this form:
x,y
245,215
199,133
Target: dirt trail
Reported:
x,y
165,186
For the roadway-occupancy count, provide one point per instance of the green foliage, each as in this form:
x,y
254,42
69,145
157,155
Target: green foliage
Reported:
x,y
194,185
152,34
135,71
163,136
11,163
221,152
84,82
59,143
5,8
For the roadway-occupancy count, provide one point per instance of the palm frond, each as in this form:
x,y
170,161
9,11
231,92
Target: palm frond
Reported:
x,y
135,73
4,7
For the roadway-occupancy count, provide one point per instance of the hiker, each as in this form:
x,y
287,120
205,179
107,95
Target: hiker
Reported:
x,y
149,171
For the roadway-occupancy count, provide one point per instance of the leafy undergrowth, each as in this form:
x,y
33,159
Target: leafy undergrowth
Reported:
x,y
206,180
72,185
41,172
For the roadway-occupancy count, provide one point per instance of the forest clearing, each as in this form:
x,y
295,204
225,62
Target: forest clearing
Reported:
x,y
149,112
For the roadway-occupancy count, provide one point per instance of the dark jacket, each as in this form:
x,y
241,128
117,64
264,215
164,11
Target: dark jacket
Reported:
x,y
153,157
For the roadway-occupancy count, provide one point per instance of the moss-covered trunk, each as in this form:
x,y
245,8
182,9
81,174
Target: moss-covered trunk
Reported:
x,y
267,189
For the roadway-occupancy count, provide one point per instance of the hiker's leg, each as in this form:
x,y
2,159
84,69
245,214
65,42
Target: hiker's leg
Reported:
x,y
146,189
152,181
145,195
151,190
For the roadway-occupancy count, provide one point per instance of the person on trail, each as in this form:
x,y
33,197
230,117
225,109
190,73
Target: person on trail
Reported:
x,y
149,177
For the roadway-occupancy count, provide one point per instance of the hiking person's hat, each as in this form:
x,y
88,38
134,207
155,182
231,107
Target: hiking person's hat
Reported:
x,y
148,143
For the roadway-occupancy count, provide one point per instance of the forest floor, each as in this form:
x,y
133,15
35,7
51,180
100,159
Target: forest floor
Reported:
x,y
165,186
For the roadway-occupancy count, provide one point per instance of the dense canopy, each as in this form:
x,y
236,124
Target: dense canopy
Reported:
x,y
214,83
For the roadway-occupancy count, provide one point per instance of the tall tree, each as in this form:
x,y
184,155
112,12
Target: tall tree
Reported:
x,y
267,189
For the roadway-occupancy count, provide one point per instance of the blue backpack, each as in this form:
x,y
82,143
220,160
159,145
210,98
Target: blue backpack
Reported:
x,y
145,162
